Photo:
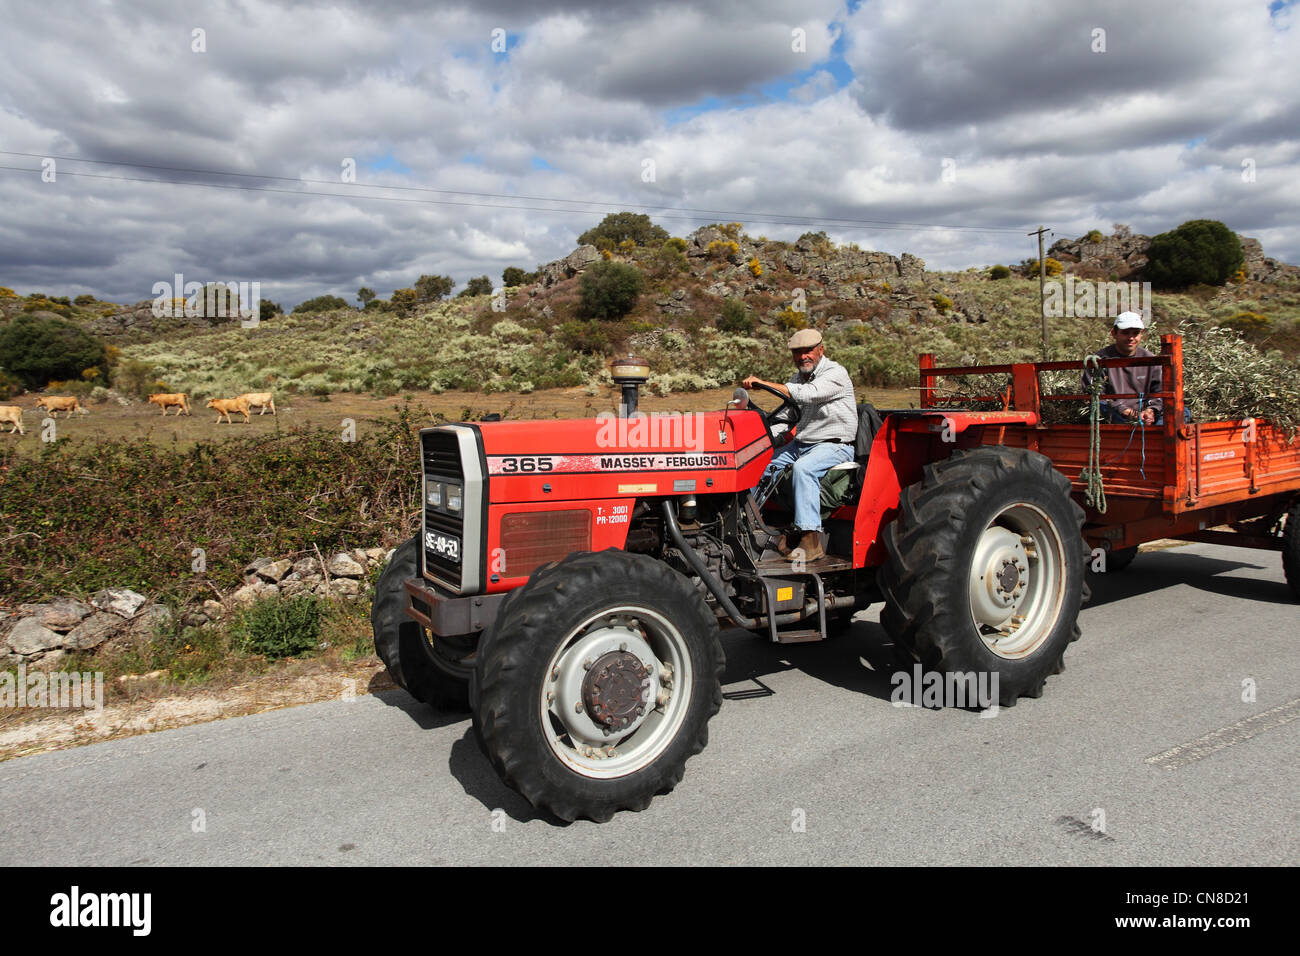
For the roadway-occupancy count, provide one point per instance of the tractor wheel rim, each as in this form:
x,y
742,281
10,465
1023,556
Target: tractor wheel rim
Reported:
x,y
1017,581
591,716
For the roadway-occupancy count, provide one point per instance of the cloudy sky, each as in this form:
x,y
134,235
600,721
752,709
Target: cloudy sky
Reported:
x,y
491,133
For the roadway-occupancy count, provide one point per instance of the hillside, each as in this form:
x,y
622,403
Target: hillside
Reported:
x,y
877,312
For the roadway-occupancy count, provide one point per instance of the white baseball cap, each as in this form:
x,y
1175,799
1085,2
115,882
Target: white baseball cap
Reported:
x,y
1129,320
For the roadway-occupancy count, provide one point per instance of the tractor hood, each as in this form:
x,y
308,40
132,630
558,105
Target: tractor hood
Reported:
x,y
659,453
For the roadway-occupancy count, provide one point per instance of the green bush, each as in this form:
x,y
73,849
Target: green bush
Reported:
x,y
479,285
84,299
515,276
1053,267
404,301
134,378
322,303
279,627
585,337
433,288
36,350
1199,251
618,226
999,272
1094,235
941,302
736,318
1251,325
266,308
609,290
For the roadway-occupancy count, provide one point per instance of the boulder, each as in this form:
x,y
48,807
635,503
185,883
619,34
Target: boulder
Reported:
x,y
343,566
29,636
273,571
213,610
61,614
95,630
121,601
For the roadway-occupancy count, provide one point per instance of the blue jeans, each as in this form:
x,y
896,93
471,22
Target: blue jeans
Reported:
x,y
811,461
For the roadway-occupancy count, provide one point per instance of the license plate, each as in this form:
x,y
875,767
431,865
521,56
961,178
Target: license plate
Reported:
x,y
446,546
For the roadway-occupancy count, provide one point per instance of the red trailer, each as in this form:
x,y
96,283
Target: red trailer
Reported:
x,y
1224,482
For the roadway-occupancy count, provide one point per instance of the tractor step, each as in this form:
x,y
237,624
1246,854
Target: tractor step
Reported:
x,y
798,637
772,563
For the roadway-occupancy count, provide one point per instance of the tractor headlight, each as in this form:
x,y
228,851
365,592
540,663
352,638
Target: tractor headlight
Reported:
x,y
433,493
453,498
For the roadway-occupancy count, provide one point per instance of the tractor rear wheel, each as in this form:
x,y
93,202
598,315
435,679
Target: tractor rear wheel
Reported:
x,y
435,674
596,683
1291,547
985,569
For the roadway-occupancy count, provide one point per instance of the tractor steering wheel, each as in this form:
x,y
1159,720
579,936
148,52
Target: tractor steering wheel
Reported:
x,y
769,418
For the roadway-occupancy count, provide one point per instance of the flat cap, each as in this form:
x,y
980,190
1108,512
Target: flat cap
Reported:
x,y
805,339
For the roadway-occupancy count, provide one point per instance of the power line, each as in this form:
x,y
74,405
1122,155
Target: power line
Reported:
x,y
511,201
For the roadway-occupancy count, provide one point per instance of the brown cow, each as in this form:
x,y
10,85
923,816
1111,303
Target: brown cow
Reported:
x,y
260,398
13,414
225,406
166,400
60,403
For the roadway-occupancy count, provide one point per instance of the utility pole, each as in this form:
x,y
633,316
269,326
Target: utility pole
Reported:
x,y
1042,292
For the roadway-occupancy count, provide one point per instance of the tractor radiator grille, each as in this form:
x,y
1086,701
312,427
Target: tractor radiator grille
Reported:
x,y
451,541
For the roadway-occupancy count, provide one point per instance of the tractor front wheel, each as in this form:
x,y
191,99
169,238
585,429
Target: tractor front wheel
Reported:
x,y
985,569
596,683
436,674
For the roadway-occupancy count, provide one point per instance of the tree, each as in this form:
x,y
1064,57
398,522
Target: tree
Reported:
x,y
618,226
433,288
609,290
37,350
515,276
266,308
364,295
479,285
322,303
404,301
1200,250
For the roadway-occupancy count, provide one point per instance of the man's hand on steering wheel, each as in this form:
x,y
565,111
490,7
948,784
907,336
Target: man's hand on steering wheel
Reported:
x,y
753,382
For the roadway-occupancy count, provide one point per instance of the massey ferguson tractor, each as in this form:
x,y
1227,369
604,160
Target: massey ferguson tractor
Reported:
x,y
569,577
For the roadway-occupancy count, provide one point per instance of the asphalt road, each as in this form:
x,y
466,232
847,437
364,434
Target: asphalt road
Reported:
x,y
1143,752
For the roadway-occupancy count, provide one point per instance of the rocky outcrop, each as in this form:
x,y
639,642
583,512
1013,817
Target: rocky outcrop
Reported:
x,y
568,267
1124,258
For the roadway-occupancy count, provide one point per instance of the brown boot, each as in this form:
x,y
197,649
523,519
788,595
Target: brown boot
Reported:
x,y
809,548
786,541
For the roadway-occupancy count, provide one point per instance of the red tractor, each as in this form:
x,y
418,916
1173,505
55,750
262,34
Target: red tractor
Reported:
x,y
569,578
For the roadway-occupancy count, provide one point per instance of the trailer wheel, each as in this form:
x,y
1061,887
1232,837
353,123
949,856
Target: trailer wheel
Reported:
x,y
1291,547
1120,558
985,569
433,673
596,683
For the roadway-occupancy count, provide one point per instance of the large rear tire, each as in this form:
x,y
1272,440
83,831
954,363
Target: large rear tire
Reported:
x,y
985,569
433,673
596,684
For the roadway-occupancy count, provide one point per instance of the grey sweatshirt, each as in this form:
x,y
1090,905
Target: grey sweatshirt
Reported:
x,y
1119,381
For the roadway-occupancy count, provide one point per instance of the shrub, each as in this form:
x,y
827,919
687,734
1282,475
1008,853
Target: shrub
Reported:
x,y
9,386
736,318
36,350
609,290
673,242
1199,251
279,627
479,285
433,288
514,276
1094,235
587,337
999,272
620,226
1054,268
792,321
7,293
366,295
322,303
266,308
84,299
134,378
941,302
1251,325
404,301
755,267
723,248
626,246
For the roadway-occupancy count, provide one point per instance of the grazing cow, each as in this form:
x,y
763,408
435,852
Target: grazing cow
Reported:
x,y
225,406
165,400
60,403
13,414
260,398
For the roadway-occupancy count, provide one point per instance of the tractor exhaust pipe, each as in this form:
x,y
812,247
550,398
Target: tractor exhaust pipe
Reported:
x,y
631,373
